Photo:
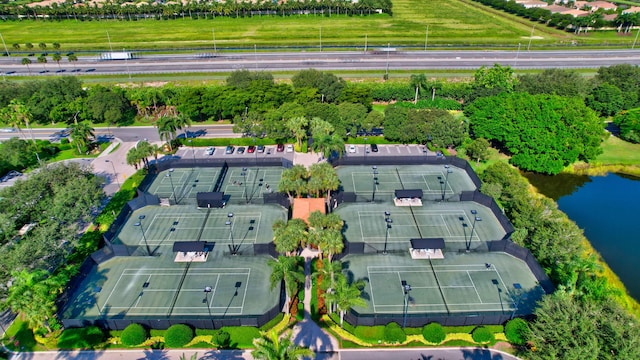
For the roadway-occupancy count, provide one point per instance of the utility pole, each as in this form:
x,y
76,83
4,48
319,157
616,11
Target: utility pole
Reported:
x,y
320,38
5,45
531,37
426,39
213,31
636,39
109,39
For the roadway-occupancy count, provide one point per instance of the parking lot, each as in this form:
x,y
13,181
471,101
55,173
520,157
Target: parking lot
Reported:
x,y
387,150
220,152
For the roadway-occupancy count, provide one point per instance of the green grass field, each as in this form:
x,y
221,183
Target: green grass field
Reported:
x,y
450,23
619,152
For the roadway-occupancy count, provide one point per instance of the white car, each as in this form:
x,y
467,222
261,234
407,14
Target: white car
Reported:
x,y
352,148
289,148
210,150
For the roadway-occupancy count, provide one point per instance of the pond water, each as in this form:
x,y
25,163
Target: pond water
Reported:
x,y
608,209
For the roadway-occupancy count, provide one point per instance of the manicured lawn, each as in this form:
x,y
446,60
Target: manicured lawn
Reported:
x,y
450,22
619,152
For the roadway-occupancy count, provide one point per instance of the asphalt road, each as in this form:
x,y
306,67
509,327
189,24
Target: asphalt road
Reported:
x,y
376,59
127,134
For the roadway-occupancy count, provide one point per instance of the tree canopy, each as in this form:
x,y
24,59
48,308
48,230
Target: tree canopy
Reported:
x,y
543,133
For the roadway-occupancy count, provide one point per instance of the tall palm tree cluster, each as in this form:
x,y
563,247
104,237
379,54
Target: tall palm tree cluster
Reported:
x,y
82,134
141,153
323,232
320,179
194,9
169,124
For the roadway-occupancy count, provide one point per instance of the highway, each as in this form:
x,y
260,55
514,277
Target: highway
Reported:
x,y
380,59
126,134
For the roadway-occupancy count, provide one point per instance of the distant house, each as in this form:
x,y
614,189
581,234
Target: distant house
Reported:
x,y
632,10
557,9
575,12
604,5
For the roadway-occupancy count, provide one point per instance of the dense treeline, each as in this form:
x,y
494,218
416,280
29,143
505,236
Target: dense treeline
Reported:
x,y
55,203
502,108
583,319
594,20
131,11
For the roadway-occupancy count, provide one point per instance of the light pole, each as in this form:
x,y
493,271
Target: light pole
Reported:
x,y
386,75
446,180
229,223
193,151
375,182
173,189
115,174
365,149
126,60
387,222
476,218
144,237
405,289
207,290
518,294
517,54
244,176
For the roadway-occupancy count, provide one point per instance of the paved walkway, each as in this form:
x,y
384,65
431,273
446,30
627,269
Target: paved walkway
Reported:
x,y
307,333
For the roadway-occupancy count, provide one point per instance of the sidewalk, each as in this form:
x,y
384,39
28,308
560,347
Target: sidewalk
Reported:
x,y
307,333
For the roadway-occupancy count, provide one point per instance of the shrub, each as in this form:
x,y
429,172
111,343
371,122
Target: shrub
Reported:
x,y
516,331
133,334
482,335
81,338
372,333
394,333
434,333
222,339
178,335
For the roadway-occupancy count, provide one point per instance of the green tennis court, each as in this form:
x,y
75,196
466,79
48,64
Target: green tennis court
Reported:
x,y
460,283
454,222
248,184
134,286
435,181
182,184
162,225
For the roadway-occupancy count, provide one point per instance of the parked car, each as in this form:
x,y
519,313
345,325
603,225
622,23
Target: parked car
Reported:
x,y
260,148
210,150
374,148
289,148
280,148
251,149
352,148
241,150
229,150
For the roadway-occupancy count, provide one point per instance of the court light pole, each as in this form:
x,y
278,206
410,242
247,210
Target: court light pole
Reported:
x,y
244,176
375,182
476,218
387,222
405,289
144,236
115,174
173,189
446,180
193,151
207,290
229,223
518,295
365,149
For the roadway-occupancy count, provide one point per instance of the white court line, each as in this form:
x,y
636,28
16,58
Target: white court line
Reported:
x,y
505,285
445,225
373,298
215,289
474,287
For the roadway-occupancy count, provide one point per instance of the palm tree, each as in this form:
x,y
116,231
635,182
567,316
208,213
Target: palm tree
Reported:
x,y
42,46
272,347
288,269
418,82
345,295
331,242
327,272
167,129
57,57
16,115
27,61
298,126
81,133
42,59
72,59
327,176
